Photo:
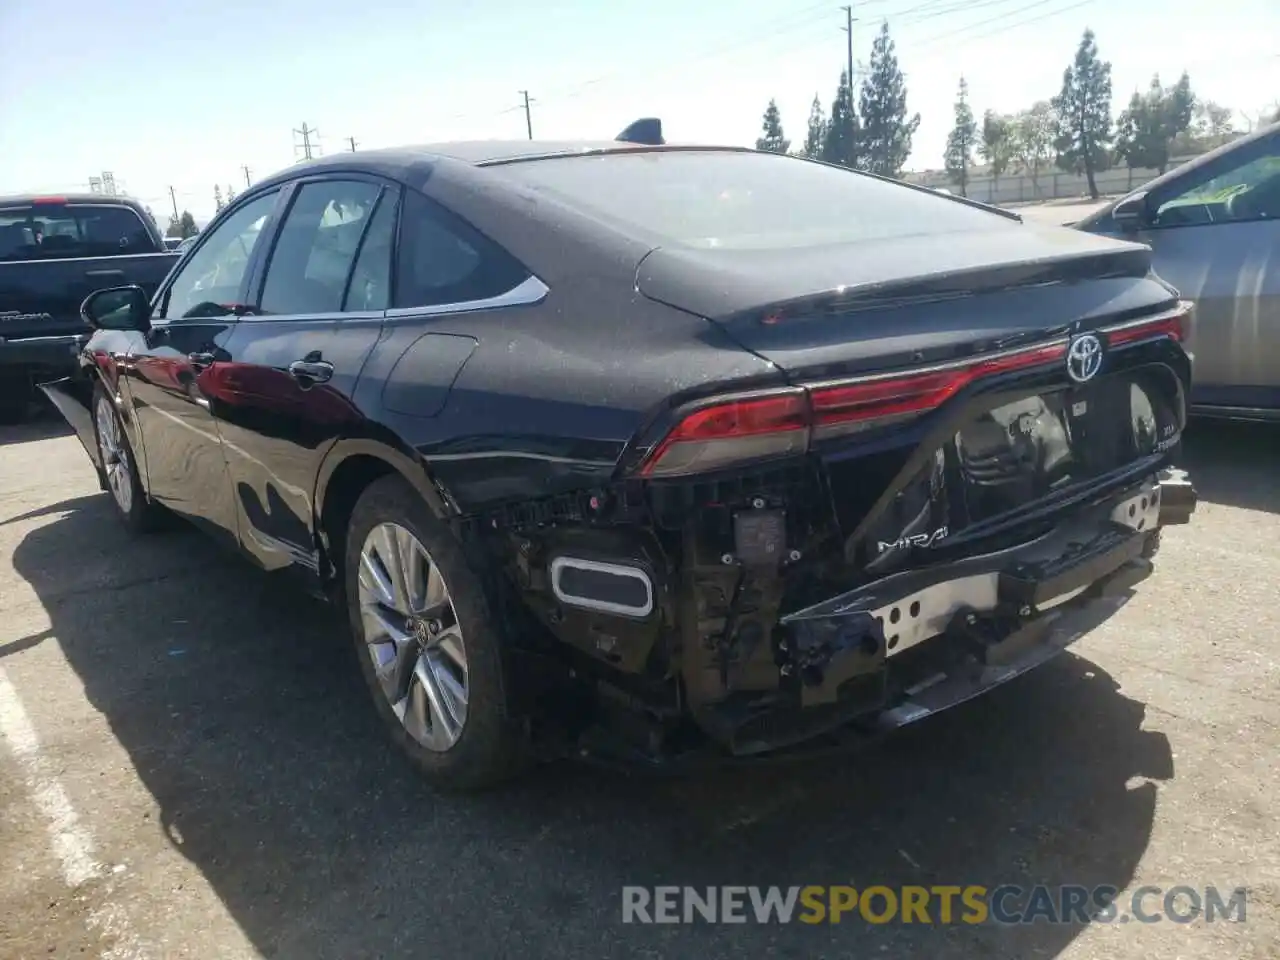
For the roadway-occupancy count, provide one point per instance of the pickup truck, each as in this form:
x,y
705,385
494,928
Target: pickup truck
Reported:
x,y
54,252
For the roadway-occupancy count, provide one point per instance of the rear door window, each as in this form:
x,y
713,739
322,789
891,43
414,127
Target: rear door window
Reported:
x,y
59,231
317,247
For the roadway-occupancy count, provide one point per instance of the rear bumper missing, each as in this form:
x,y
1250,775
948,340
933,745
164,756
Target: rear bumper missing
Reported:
x,y
908,646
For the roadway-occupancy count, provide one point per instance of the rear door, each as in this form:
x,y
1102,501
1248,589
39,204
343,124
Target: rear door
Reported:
x,y
1216,237
169,369
283,394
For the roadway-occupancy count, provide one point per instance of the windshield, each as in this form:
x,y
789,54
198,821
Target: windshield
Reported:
x,y
743,200
57,231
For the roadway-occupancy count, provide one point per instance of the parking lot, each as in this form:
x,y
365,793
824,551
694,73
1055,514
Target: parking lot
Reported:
x,y
190,745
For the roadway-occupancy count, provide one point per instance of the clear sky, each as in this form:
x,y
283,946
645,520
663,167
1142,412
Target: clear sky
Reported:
x,y
183,93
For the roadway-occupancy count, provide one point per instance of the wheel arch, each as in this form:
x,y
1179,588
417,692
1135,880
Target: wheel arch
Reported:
x,y
349,467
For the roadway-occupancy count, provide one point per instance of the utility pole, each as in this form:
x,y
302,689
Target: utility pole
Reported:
x,y
528,116
247,181
173,196
848,29
352,141
306,133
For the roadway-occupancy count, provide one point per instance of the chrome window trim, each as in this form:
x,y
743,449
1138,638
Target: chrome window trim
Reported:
x,y
529,291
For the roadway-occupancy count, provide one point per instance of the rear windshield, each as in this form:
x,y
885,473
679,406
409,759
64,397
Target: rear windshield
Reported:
x,y
758,201
56,231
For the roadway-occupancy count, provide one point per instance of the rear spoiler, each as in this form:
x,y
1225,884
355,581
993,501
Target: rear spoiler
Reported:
x,y
646,130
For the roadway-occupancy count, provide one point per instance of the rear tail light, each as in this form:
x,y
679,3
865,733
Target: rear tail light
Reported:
x,y
48,201
1166,325
786,422
746,428
762,426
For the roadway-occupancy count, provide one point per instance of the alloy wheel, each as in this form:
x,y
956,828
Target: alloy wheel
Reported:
x,y
115,456
413,636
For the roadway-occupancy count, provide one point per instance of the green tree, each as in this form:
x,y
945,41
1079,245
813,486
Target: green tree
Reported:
x,y
842,143
1034,131
1149,125
886,130
773,140
231,194
1084,114
187,225
817,132
217,198
961,140
174,229
998,145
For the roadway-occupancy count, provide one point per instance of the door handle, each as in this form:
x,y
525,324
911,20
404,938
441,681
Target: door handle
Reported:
x,y
200,360
311,371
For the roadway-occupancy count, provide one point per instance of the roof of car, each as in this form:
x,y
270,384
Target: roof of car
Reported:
x,y
21,199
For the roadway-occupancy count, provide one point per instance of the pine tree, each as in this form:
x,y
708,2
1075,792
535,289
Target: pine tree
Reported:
x,y
773,140
187,225
886,131
217,198
817,133
1084,114
842,143
961,140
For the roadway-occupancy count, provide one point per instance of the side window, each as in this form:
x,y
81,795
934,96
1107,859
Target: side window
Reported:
x,y
316,249
1248,189
370,287
442,260
208,283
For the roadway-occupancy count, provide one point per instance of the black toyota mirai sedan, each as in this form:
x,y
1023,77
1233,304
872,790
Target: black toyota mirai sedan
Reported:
x,y
650,453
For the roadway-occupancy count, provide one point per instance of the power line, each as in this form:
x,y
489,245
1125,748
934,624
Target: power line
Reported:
x,y
247,182
1005,27
352,141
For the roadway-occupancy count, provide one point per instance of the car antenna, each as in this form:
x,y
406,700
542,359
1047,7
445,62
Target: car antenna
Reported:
x,y
646,130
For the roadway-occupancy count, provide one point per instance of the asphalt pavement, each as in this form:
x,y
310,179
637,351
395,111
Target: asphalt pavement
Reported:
x,y
189,768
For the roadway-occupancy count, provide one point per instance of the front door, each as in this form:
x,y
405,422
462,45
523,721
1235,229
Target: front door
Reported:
x,y
1216,237
167,371
285,393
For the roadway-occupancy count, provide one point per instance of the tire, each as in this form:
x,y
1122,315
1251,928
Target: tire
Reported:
x,y
441,642
120,467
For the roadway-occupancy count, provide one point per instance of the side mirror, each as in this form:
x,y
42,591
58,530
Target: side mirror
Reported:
x,y
1132,212
117,308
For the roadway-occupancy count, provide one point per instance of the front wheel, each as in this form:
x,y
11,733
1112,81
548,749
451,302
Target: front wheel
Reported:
x,y
428,644
120,467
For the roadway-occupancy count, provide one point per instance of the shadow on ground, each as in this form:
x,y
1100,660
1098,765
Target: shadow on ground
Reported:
x,y
41,423
1234,463
241,708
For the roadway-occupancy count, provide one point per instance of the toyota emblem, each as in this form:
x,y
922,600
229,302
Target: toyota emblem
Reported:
x,y
1084,358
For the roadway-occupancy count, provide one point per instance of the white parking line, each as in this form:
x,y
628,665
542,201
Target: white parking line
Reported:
x,y
71,842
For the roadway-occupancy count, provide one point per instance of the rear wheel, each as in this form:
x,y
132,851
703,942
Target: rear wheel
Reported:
x,y
120,467
428,645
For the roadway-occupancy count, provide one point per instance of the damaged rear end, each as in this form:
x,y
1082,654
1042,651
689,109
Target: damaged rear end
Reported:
x,y
965,466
